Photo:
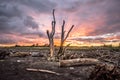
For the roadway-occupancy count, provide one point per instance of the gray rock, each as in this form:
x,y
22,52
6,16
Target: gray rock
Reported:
x,y
36,54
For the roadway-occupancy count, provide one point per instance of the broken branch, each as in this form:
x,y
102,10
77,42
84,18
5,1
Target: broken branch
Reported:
x,y
68,32
42,70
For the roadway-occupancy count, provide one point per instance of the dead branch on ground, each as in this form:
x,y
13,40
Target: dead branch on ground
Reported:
x,y
78,62
42,70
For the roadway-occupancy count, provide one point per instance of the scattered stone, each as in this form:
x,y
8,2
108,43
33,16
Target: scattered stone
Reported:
x,y
71,68
36,54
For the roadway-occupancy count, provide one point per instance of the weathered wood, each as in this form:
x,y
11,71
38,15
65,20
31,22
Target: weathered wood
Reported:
x,y
78,62
51,35
63,38
68,32
42,70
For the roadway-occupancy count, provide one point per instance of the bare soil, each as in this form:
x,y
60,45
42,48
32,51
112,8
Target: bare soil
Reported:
x,y
14,68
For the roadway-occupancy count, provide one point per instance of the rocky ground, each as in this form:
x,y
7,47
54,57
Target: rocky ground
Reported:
x,y
15,67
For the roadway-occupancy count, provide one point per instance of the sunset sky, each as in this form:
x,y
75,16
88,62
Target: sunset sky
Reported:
x,y
24,22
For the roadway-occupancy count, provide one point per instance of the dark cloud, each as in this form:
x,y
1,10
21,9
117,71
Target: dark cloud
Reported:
x,y
14,20
7,13
43,6
39,5
29,21
9,10
16,25
111,15
79,5
14,17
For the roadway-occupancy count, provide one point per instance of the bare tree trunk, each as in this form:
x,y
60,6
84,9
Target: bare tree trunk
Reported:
x,y
63,38
52,48
51,36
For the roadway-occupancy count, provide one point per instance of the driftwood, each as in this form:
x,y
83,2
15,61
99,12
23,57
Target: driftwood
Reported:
x,y
42,70
78,62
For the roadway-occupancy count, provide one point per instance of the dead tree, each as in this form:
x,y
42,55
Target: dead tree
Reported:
x,y
63,39
51,36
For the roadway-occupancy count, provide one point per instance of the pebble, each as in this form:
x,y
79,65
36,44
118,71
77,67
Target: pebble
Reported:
x,y
72,68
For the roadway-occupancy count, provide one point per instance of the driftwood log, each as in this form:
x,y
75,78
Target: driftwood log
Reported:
x,y
78,62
